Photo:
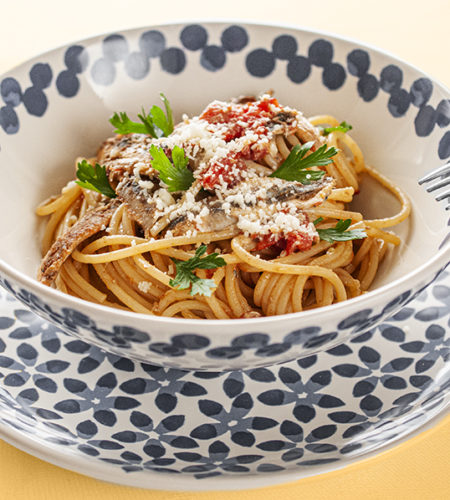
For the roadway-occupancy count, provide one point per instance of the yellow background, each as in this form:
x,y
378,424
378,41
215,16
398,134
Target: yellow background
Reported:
x,y
416,31
416,470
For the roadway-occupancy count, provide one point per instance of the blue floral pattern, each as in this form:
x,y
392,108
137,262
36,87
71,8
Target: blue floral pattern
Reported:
x,y
144,419
257,349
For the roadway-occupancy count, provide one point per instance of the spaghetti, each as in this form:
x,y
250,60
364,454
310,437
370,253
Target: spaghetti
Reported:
x,y
126,252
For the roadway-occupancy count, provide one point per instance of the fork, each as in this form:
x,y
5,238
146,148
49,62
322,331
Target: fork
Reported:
x,y
441,176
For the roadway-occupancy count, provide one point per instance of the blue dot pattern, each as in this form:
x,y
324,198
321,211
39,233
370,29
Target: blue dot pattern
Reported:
x,y
103,71
213,58
76,60
358,62
368,87
284,47
67,83
443,113
10,91
320,53
299,415
234,39
194,37
9,120
152,43
41,75
298,69
34,98
333,76
137,65
35,101
391,77
444,146
255,348
421,91
115,48
173,60
260,62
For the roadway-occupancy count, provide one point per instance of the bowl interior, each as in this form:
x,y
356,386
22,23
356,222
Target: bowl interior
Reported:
x,y
66,97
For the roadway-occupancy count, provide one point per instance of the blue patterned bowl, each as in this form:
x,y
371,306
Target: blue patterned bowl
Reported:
x,y
57,106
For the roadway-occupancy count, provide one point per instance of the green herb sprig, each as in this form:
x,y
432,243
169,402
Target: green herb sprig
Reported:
x,y
186,278
156,123
342,127
94,178
175,173
295,165
339,231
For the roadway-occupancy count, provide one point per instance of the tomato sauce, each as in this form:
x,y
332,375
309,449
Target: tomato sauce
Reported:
x,y
235,121
253,122
295,241
228,171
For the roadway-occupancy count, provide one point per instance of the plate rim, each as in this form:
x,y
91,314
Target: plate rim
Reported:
x,y
221,483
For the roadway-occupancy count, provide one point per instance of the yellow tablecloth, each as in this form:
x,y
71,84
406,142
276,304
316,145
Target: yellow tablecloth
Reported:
x,y
414,30
416,470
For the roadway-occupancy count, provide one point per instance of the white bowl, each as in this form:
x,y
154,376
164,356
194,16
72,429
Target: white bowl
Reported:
x,y
57,107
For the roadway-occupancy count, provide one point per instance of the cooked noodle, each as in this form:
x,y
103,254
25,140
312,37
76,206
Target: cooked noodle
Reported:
x,y
122,266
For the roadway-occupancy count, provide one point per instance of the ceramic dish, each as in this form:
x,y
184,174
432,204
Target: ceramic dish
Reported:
x,y
108,417
57,106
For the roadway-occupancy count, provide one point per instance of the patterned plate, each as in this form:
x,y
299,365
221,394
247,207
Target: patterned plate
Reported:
x,y
72,404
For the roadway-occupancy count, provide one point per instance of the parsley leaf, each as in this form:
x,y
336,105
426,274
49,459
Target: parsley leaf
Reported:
x,y
163,121
318,220
202,287
175,173
126,126
185,276
339,231
295,165
156,123
342,127
94,178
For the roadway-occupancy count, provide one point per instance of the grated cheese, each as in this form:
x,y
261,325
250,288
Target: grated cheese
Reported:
x,y
239,190
144,286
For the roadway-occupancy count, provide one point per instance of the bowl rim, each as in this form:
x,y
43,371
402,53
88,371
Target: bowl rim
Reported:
x,y
440,259
232,20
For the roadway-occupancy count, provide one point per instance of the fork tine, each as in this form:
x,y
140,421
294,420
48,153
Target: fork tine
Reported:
x,y
445,169
445,194
438,185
